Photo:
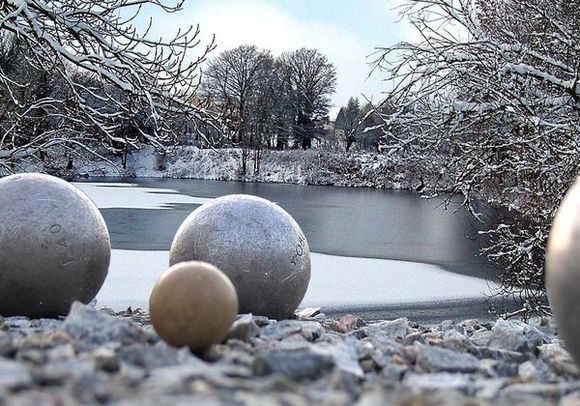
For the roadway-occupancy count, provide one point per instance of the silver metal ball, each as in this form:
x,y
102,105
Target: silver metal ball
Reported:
x,y
54,246
563,270
257,244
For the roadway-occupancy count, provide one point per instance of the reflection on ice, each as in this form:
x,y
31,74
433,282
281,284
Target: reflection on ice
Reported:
x,y
336,281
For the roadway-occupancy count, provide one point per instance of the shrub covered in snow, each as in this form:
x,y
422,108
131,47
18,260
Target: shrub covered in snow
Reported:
x,y
491,100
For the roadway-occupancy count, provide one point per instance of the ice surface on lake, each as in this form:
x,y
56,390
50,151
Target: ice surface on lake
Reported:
x,y
343,281
132,196
335,281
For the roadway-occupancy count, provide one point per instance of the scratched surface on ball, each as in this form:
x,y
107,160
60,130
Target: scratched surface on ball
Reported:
x,y
257,244
54,246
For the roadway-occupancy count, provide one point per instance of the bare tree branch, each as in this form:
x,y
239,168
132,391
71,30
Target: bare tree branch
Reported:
x,y
491,105
102,72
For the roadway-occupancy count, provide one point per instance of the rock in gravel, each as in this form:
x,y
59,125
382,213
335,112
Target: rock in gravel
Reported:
x,y
175,379
535,393
434,359
13,375
152,357
469,326
498,369
344,356
536,337
346,324
394,330
307,313
512,336
528,372
42,397
244,328
6,344
415,337
61,371
559,360
86,324
442,380
481,338
299,365
572,399
454,340
263,321
17,322
310,330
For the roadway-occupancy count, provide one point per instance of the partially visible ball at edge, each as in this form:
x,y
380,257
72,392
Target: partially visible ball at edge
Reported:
x,y
54,246
563,270
193,304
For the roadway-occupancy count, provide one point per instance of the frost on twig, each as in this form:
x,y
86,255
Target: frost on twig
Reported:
x,y
79,70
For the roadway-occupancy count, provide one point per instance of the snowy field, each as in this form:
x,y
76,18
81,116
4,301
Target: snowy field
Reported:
x,y
336,282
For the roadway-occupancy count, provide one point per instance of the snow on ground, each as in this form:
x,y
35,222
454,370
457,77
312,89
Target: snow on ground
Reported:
x,y
344,281
335,281
130,196
314,167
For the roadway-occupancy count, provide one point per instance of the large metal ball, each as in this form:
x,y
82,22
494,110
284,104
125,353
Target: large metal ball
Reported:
x,y
256,244
563,270
54,246
193,304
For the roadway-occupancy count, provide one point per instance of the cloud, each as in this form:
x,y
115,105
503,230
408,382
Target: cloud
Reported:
x,y
249,22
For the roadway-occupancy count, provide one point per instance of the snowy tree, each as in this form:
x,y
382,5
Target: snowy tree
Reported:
x,y
239,83
350,119
368,127
490,101
308,79
361,125
107,73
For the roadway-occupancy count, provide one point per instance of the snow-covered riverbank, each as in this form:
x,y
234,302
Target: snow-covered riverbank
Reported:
x,y
311,167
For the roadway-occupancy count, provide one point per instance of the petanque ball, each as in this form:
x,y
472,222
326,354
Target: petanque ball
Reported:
x,y
54,246
194,305
563,270
256,244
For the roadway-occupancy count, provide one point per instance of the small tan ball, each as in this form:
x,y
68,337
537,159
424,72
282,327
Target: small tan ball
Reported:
x,y
193,304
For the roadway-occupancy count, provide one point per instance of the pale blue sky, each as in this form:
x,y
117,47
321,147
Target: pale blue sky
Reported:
x,y
346,31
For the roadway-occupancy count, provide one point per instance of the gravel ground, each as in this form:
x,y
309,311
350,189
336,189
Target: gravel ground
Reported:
x,y
101,357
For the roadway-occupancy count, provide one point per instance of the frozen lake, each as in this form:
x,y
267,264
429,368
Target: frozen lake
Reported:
x,y
377,253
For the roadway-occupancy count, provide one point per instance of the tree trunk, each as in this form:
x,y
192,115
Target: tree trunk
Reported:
x,y
244,161
124,158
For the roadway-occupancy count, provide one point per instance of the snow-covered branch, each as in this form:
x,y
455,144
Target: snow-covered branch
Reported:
x,y
96,73
491,98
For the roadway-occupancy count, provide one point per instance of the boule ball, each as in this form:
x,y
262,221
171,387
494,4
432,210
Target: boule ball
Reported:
x,y
54,246
257,244
193,305
563,270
